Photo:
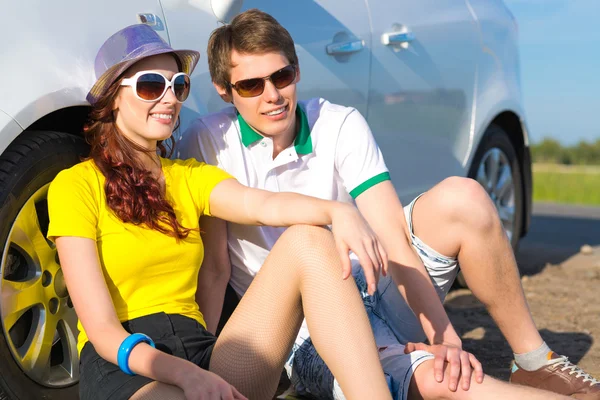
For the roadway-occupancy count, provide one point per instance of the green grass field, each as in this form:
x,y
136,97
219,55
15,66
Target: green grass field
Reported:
x,y
566,184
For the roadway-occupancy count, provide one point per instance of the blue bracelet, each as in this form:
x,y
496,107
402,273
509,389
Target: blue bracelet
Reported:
x,y
125,350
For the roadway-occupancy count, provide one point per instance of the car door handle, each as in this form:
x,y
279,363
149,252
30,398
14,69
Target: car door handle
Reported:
x,y
397,38
349,47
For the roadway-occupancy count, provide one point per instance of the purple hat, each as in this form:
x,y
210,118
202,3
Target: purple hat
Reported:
x,y
125,48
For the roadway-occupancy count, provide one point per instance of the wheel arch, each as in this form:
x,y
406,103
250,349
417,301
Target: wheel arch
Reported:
x,y
69,120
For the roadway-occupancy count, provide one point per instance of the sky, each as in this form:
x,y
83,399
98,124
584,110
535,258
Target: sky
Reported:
x,y
560,67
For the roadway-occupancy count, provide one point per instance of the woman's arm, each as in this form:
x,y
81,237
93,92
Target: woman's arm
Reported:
x,y
234,202
231,201
94,307
215,271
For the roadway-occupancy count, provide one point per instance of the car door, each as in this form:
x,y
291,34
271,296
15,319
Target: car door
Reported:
x,y
423,76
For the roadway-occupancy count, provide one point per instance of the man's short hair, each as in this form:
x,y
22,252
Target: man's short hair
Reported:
x,y
251,32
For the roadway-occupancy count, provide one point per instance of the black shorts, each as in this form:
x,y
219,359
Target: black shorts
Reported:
x,y
172,333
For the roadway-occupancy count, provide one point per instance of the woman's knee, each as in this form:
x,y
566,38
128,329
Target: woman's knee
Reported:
x,y
306,238
308,246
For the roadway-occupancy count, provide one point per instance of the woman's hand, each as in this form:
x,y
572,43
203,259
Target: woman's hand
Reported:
x,y
205,385
351,232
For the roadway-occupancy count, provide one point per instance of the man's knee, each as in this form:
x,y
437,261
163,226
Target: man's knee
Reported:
x,y
423,385
464,200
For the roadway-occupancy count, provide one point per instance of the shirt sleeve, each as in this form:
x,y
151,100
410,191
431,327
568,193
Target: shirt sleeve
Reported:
x,y
358,159
72,206
202,179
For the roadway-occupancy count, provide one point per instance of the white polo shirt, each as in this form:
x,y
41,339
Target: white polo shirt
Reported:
x,y
334,157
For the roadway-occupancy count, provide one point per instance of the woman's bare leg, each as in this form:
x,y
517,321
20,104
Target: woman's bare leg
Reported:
x,y
158,391
301,277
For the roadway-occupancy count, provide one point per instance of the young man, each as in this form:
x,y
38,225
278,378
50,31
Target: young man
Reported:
x,y
269,140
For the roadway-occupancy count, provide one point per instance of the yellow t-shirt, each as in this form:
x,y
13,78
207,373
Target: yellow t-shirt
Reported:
x,y
146,271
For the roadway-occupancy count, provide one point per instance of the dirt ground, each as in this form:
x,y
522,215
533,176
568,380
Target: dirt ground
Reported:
x,y
564,301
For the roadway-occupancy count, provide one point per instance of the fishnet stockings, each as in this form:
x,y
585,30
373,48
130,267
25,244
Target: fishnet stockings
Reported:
x,y
301,277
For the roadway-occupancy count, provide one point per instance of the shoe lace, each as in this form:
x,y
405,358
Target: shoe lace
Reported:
x,y
575,370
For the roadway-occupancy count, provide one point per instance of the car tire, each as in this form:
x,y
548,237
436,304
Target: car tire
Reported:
x,y
27,166
497,153
497,148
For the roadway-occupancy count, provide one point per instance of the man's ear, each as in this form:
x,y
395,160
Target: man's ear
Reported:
x,y
225,95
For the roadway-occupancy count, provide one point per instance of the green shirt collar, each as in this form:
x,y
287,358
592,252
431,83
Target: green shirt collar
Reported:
x,y
302,143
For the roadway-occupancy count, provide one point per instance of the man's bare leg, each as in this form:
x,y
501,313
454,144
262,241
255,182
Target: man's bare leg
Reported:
x,y
458,219
423,386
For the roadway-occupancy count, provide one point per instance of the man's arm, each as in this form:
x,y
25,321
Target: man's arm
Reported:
x,y
359,161
215,271
383,211
362,170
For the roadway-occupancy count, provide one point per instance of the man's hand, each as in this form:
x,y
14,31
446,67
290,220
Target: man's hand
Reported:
x,y
461,363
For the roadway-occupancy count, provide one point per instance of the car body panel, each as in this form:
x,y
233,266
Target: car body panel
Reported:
x,y
53,65
197,22
421,98
428,104
417,110
499,86
9,130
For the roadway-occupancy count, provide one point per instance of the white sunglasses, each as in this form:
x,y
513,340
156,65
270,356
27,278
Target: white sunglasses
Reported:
x,y
151,86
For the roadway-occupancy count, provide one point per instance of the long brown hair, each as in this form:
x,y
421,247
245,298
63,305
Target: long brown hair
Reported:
x,y
132,193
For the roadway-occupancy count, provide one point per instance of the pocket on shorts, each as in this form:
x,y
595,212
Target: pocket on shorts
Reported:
x,y
90,364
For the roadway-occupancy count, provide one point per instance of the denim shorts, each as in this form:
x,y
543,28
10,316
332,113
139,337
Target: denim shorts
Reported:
x,y
172,333
393,324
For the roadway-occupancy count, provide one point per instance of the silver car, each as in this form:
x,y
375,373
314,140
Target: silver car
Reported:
x,y
437,80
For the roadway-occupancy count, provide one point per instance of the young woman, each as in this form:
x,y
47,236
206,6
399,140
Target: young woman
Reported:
x,y
125,223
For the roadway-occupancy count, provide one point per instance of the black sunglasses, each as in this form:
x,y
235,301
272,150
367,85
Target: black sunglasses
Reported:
x,y
256,86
